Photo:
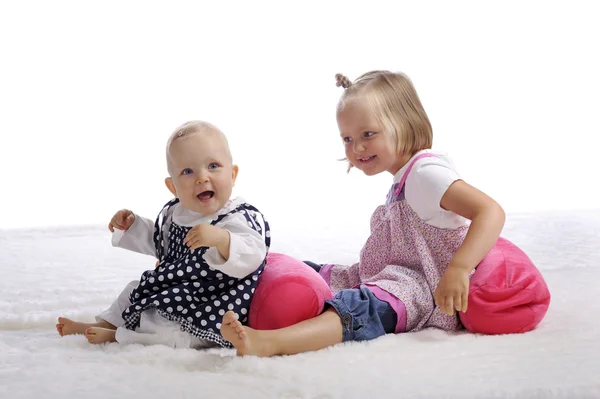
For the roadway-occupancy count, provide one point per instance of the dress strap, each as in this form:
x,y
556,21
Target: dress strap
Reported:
x,y
158,229
410,166
251,219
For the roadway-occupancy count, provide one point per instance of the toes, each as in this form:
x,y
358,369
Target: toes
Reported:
x,y
90,336
238,327
229,317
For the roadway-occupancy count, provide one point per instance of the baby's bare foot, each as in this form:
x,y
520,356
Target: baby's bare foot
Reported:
x,y
247,341
99,335
68,327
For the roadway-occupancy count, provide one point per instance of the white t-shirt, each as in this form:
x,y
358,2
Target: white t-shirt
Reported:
x,y
425,186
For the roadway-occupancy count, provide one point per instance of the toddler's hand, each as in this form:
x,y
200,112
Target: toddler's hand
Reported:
x,y
122,220
202,235
453,290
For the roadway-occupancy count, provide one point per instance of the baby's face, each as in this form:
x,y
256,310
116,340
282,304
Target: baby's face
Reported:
x,y
201,170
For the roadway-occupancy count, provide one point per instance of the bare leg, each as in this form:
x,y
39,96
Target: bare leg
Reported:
x,y
309,335
67,326
99,335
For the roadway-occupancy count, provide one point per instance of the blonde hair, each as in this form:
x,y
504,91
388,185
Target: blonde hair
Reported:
x,y
194,127
394,102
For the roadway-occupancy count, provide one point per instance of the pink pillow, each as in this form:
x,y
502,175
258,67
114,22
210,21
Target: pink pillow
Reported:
x,y
507,293
288,292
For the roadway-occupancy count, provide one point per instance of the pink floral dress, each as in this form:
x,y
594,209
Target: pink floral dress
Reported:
x,y
405,257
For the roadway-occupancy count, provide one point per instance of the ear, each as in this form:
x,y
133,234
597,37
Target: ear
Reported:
x,y
171,186
234,173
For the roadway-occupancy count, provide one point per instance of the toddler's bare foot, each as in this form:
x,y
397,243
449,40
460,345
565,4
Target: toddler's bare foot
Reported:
x,y
68,327
247,341
99,335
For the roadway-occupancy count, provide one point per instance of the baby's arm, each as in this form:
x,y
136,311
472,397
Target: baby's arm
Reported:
x,y
242,251
137,238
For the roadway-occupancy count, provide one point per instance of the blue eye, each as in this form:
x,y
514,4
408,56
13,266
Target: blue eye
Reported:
x,y
213,165
346,139
187,171
368,134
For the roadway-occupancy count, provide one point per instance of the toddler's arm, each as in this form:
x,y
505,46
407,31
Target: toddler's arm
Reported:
x,y
487,220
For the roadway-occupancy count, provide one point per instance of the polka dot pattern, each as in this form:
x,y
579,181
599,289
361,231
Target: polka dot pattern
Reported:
x,y
185,289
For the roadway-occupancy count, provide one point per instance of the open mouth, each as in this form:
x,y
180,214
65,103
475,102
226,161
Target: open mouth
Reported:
x,y
366,159
205,195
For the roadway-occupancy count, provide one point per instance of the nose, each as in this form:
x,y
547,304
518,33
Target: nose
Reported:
x,y
202,178
358,147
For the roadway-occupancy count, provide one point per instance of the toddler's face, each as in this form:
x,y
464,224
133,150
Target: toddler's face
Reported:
x,y
366,145
202,173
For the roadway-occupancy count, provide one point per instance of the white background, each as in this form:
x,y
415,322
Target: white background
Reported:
x,y
90,91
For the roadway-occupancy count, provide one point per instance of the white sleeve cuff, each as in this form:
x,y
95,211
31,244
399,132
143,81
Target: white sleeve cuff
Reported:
x,y
137,238
247,250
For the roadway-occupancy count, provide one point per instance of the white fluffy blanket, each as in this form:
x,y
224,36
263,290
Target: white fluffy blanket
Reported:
x,y
76,273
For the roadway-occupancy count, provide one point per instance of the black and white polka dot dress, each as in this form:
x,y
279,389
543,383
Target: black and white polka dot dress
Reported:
x,y
183,288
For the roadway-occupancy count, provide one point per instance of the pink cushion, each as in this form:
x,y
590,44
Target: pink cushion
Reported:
x,y
507,293
287,293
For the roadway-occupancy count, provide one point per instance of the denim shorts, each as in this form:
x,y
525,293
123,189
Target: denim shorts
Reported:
x,y
364,317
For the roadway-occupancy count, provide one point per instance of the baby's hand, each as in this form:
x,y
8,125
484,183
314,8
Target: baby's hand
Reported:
x,y
203,235
122,220
453,291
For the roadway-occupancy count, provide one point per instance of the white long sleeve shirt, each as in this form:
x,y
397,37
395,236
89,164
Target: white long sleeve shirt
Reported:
x,y
247,248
